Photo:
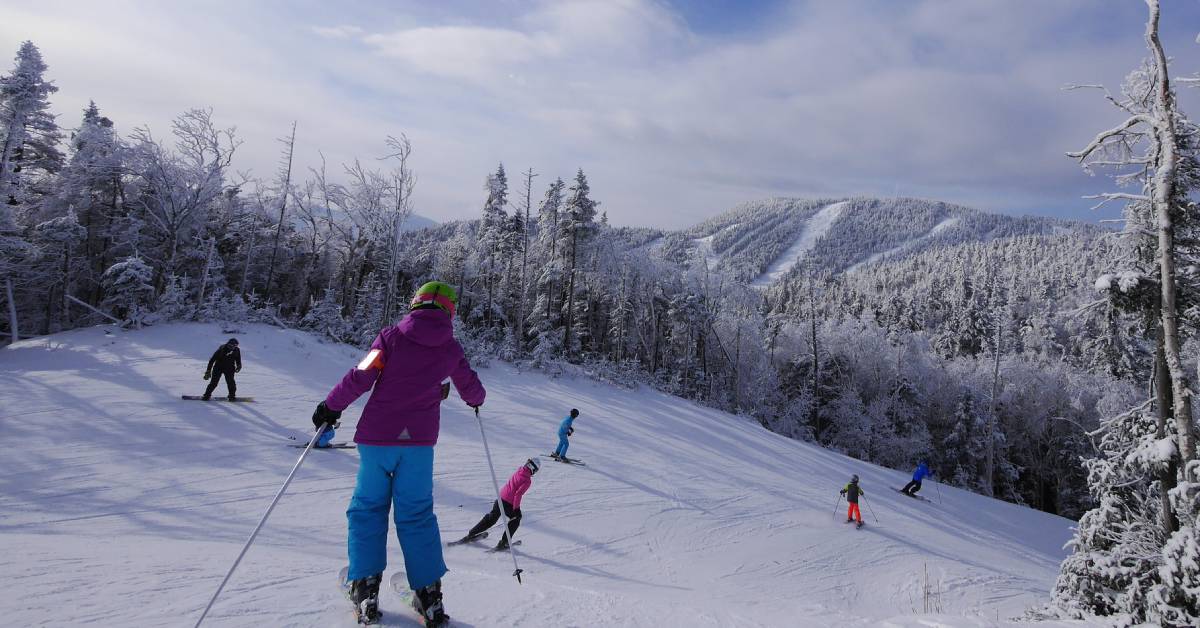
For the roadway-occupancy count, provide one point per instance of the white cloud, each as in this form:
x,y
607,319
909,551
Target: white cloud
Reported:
x,y
342,31
934,97
467,52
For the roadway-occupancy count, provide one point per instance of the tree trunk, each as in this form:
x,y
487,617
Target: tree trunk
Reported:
x,y
12,309
1161,195
287,182
1162,404
816,362
990,464
570,298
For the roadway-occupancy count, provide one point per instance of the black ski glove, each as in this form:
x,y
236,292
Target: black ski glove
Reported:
x,y
324,416
570,431
445,390
207,375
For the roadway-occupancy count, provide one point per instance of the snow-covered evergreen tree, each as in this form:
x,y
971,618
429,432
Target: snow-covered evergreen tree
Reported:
x,y
129,290
30,137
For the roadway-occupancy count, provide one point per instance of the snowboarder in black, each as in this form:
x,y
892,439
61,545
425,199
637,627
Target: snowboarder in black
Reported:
x,y
228,360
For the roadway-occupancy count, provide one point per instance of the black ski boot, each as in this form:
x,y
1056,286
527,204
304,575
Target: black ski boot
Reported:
x,y
364,592
428,604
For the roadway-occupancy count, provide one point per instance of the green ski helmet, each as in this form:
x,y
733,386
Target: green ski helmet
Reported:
x,y
438,294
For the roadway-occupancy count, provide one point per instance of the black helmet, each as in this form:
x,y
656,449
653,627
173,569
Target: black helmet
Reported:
x,y
232,341
854,479
574,412
532,465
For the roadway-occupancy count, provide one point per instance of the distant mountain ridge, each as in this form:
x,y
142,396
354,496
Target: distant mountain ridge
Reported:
x,y
747,240
753,241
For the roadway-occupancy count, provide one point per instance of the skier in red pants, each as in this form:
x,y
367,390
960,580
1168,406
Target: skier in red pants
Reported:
x,y
852,491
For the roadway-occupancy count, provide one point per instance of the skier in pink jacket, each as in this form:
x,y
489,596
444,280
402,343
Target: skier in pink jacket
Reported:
x,y
404,371
510,497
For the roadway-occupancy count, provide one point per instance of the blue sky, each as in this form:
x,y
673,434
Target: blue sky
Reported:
x,y
677,111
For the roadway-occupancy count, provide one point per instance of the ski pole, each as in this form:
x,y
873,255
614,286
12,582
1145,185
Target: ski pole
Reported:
x,y
837,505
939,488
258,527
869,508
499,502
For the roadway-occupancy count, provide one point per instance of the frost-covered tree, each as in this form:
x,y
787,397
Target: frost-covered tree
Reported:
x,y
577,227
29,152
175,189
58,240
129,290
492,237
1137,530
91,186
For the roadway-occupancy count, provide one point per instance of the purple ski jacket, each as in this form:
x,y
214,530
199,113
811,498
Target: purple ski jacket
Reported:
x,y
516,487
415,356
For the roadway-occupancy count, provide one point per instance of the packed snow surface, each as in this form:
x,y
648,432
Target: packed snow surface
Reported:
x,y
816,229
122,505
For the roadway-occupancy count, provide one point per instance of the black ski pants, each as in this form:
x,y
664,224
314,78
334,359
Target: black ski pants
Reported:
x,y
229,383
490,519
915,486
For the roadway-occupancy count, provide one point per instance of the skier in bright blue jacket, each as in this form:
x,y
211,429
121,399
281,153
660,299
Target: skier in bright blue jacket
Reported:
x,y
564,433
921,473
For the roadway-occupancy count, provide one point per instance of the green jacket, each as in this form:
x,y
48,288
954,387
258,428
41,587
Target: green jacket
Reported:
x,y
852,491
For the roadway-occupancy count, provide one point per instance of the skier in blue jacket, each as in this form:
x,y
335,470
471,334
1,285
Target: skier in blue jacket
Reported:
x,y
921,473
564,433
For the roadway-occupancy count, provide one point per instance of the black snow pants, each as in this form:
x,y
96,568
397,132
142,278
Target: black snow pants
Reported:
x,y
490,519
915,486
229,382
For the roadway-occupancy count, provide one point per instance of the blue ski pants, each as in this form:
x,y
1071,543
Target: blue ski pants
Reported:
x,y
561,450
399,477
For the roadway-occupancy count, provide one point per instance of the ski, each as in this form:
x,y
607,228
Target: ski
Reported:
x,y
574,461
468,539
330,446
200,398
924,499
344,583
400,586
504,549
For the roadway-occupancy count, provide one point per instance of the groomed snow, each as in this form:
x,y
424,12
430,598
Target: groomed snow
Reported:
x,y
816,229
122,505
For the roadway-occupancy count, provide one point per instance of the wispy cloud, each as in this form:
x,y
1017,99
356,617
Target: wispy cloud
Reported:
x,y
954,100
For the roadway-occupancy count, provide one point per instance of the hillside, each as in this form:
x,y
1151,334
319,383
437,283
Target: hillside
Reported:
x,y
121,505
761,241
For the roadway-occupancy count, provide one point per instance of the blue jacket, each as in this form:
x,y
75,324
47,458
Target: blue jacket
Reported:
x,y
565,427
921,472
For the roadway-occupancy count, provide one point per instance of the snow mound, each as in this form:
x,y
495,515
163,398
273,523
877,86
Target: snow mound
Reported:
x,y
122,505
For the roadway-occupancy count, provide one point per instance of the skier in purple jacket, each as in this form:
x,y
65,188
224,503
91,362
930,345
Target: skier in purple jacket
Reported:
x,y
404,370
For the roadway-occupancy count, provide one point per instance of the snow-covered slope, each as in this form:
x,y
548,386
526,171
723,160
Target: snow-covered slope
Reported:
x,y
816,229
121,505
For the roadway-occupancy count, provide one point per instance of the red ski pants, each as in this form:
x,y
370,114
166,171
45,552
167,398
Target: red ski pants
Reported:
x,y
853,512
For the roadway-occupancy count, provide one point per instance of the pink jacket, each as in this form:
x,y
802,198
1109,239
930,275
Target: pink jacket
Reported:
x,y
415,356
516,487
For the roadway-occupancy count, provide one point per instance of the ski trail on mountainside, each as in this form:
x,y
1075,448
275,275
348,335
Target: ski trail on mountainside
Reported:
x,y
816,229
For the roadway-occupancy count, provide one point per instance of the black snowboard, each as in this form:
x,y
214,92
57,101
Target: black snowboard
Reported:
x,y
200,398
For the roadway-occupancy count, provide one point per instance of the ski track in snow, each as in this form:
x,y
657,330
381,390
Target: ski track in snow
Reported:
x,y
816,229
121,505
937,229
